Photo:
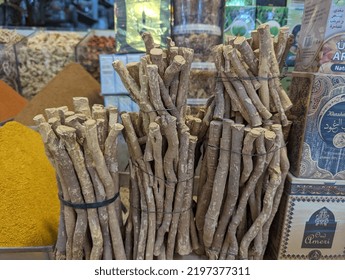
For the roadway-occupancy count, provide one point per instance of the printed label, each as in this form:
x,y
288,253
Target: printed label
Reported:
x,y
197,28
332,121
319,230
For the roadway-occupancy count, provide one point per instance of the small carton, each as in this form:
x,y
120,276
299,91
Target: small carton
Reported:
x,y
316,143
310,222
322,48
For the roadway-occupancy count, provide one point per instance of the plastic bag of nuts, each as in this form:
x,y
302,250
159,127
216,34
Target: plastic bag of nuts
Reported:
x,y
96,42
42,55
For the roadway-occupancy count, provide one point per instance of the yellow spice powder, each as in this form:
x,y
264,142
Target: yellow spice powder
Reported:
x,y
29,205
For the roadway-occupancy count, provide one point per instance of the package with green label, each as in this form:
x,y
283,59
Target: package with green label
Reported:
x,y
275,17
198,24
239,20
322,45
133,17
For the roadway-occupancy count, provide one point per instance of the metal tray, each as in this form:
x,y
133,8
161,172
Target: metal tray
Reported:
x,y
27,253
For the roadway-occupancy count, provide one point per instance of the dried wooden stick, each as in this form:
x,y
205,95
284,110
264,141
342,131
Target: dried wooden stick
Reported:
x,y
127,80
284,167
184,244
156,56
173,69
180,190
219,109
276,100
156,139
147,192
212,153
102,211
133,70
67,172
289,43
111,160
237,133
275,180
81,105
230,245
170,161
238,95
68,135
243,75
213,211
105,176
265,43
181,99
282,39
247,154
248,56
135,208
148,41
174,85
255,40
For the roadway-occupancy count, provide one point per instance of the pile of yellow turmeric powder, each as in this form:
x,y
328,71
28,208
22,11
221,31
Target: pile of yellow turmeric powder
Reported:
x,y
29,205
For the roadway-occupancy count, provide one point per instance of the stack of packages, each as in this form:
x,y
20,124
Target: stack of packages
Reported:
x,y
82,147
316,144
237,140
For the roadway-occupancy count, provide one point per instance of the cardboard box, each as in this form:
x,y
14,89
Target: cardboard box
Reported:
x,y
316,143
239,20
274,16
322,45
310,223
110,81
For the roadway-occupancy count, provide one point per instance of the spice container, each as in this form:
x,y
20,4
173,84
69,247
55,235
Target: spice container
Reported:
x,y
8,69
42,55
96,42
198,25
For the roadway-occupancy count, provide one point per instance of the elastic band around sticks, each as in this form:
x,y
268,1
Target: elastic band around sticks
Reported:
x,y
89,205
162,179
244,154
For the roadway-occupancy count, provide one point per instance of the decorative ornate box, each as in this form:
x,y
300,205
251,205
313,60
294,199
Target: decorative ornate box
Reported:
x,y
310,223
316,143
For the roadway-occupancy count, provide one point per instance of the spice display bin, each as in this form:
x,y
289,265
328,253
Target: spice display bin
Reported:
x,y
310,223
8,70
96,42
42,55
